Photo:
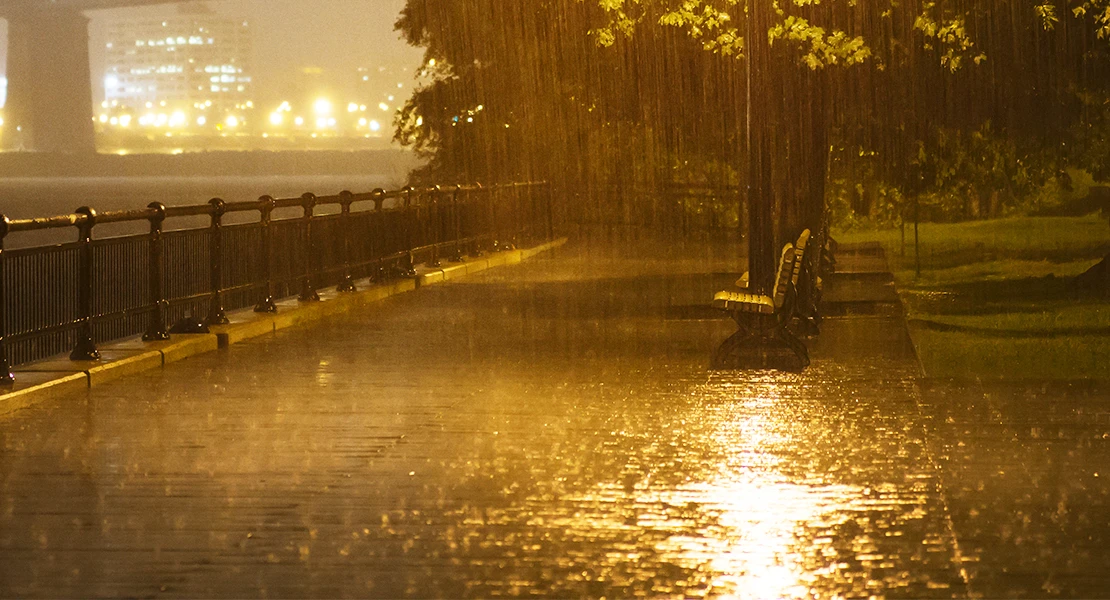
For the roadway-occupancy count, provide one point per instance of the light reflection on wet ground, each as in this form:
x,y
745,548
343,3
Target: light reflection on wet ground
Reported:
x,y
550,430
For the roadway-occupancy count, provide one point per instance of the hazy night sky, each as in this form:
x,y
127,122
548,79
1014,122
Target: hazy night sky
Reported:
x,y
334,35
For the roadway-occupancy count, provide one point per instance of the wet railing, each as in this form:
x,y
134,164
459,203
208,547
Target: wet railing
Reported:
x,y
223,256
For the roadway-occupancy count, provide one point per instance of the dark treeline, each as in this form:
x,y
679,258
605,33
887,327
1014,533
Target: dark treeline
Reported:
x,y
977,100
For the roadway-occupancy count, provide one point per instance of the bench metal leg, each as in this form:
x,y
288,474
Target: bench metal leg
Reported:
x,y
760,345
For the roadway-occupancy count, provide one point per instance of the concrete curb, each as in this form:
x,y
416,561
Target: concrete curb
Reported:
x,y
58,375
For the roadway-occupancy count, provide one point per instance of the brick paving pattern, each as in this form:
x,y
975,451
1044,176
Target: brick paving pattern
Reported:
x,y
550,429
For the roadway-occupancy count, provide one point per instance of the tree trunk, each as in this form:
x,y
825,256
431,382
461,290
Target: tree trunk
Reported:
x,y
788,150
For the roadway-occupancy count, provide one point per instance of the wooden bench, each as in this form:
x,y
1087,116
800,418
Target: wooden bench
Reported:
x,y
763,321
810,285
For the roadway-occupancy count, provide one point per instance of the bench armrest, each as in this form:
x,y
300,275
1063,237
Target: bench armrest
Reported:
x,y
742,283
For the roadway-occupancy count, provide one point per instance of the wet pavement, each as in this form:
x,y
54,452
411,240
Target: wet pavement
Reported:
x,y
553,430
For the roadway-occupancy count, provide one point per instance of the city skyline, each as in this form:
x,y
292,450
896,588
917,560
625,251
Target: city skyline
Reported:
x,y
332,36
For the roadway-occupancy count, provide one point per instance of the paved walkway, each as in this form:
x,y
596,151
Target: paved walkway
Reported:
x,y
549,429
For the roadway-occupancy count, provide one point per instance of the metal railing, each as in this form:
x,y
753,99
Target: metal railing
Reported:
x,y
75,295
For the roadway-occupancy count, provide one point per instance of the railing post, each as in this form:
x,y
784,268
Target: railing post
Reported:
x,y
550,215
456,218
433,219
533,212
346,283
515,218
408,268
156,328
475,222
916,236
6,376
376,234
265,209
308,288
216,314
85,348
495,227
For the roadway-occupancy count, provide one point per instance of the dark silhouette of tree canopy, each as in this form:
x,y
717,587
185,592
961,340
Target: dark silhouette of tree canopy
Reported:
x,y
595,92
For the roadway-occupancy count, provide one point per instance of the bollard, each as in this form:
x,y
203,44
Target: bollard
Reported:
x,y
456,218
85,348
6,376
346,283
265,208
216,314
308,289
156,328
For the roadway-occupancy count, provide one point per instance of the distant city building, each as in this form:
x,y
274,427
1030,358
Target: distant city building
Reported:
x,y
185,60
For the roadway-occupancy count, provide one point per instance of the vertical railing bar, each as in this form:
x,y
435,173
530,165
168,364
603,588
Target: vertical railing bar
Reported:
x,y
456,217
156,327
308,250
6,376
216,314
495,226
408,268
85,348
265,209
476,222
346,283
375,235
550,215
433,219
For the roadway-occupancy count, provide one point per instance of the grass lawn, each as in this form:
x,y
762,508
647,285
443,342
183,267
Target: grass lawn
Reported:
x,y
993,301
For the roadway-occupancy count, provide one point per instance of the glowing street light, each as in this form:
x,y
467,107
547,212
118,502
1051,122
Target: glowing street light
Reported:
x,y
276,118
322,107
232,121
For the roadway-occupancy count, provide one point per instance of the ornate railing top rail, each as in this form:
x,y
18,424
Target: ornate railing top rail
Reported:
x,y
379,195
